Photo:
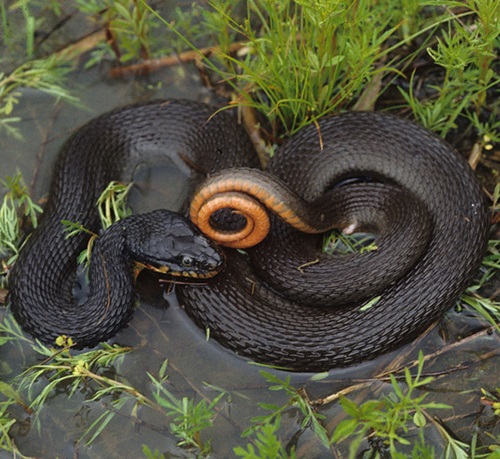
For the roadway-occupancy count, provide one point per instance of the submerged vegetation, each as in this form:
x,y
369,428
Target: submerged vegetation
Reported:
x,y
290,62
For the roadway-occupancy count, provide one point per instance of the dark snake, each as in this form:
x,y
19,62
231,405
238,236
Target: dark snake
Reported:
x,y
376,172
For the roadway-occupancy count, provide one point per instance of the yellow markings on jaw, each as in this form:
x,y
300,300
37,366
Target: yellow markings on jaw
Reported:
x,y
166,270
159,269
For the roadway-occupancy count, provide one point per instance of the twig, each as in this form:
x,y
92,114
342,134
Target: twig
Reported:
x,y
84,44
150,65
253,130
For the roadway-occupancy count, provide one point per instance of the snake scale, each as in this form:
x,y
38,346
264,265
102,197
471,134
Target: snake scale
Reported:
x,y
281,302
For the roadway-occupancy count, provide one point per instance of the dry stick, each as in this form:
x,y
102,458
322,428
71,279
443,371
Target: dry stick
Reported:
x,y
252,127
83,45
449,347
151,65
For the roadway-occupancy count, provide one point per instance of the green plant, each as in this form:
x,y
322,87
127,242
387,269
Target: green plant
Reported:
x,y
65,370
112,207
297,399
112,203
189,418
267,444
132,30
389,418
486,307
47,75
23,63
303,59
338,242
61,367
6,422
24,37
466,55
130,24
151,454
9,396
17,204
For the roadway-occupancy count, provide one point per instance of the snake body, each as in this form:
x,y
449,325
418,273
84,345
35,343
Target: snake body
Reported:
x,y
273,326
247,307
109,148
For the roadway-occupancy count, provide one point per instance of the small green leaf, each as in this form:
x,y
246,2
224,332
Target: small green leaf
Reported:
x,y
331,61
9,391
163,370
320,376
370,303
313,59
269,406
344,429
395,386
349,407
419,419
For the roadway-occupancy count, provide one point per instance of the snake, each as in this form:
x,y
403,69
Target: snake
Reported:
x,y
277,299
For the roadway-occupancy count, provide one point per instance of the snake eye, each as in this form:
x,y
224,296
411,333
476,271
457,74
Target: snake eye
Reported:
x,y
187,261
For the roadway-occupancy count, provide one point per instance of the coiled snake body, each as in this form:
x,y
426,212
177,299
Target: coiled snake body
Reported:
x,y
356,158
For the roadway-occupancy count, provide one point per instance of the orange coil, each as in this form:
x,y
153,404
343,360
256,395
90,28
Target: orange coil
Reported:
x,y
257,220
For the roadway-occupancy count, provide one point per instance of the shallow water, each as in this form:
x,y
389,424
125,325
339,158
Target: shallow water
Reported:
x,y
463,355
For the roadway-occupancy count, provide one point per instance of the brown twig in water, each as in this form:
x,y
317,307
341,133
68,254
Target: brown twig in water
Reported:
x,y
83,45
150,65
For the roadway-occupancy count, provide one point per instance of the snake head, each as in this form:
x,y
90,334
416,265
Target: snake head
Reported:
x,y
169,243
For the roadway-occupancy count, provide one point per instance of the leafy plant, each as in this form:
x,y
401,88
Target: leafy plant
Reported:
x,y
112,207
47,75
129,25
189,418
152,454
267,444
112,203
489,308
389,418
263,425
70,371
60,367
6,422
318,44
466,56
17,204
